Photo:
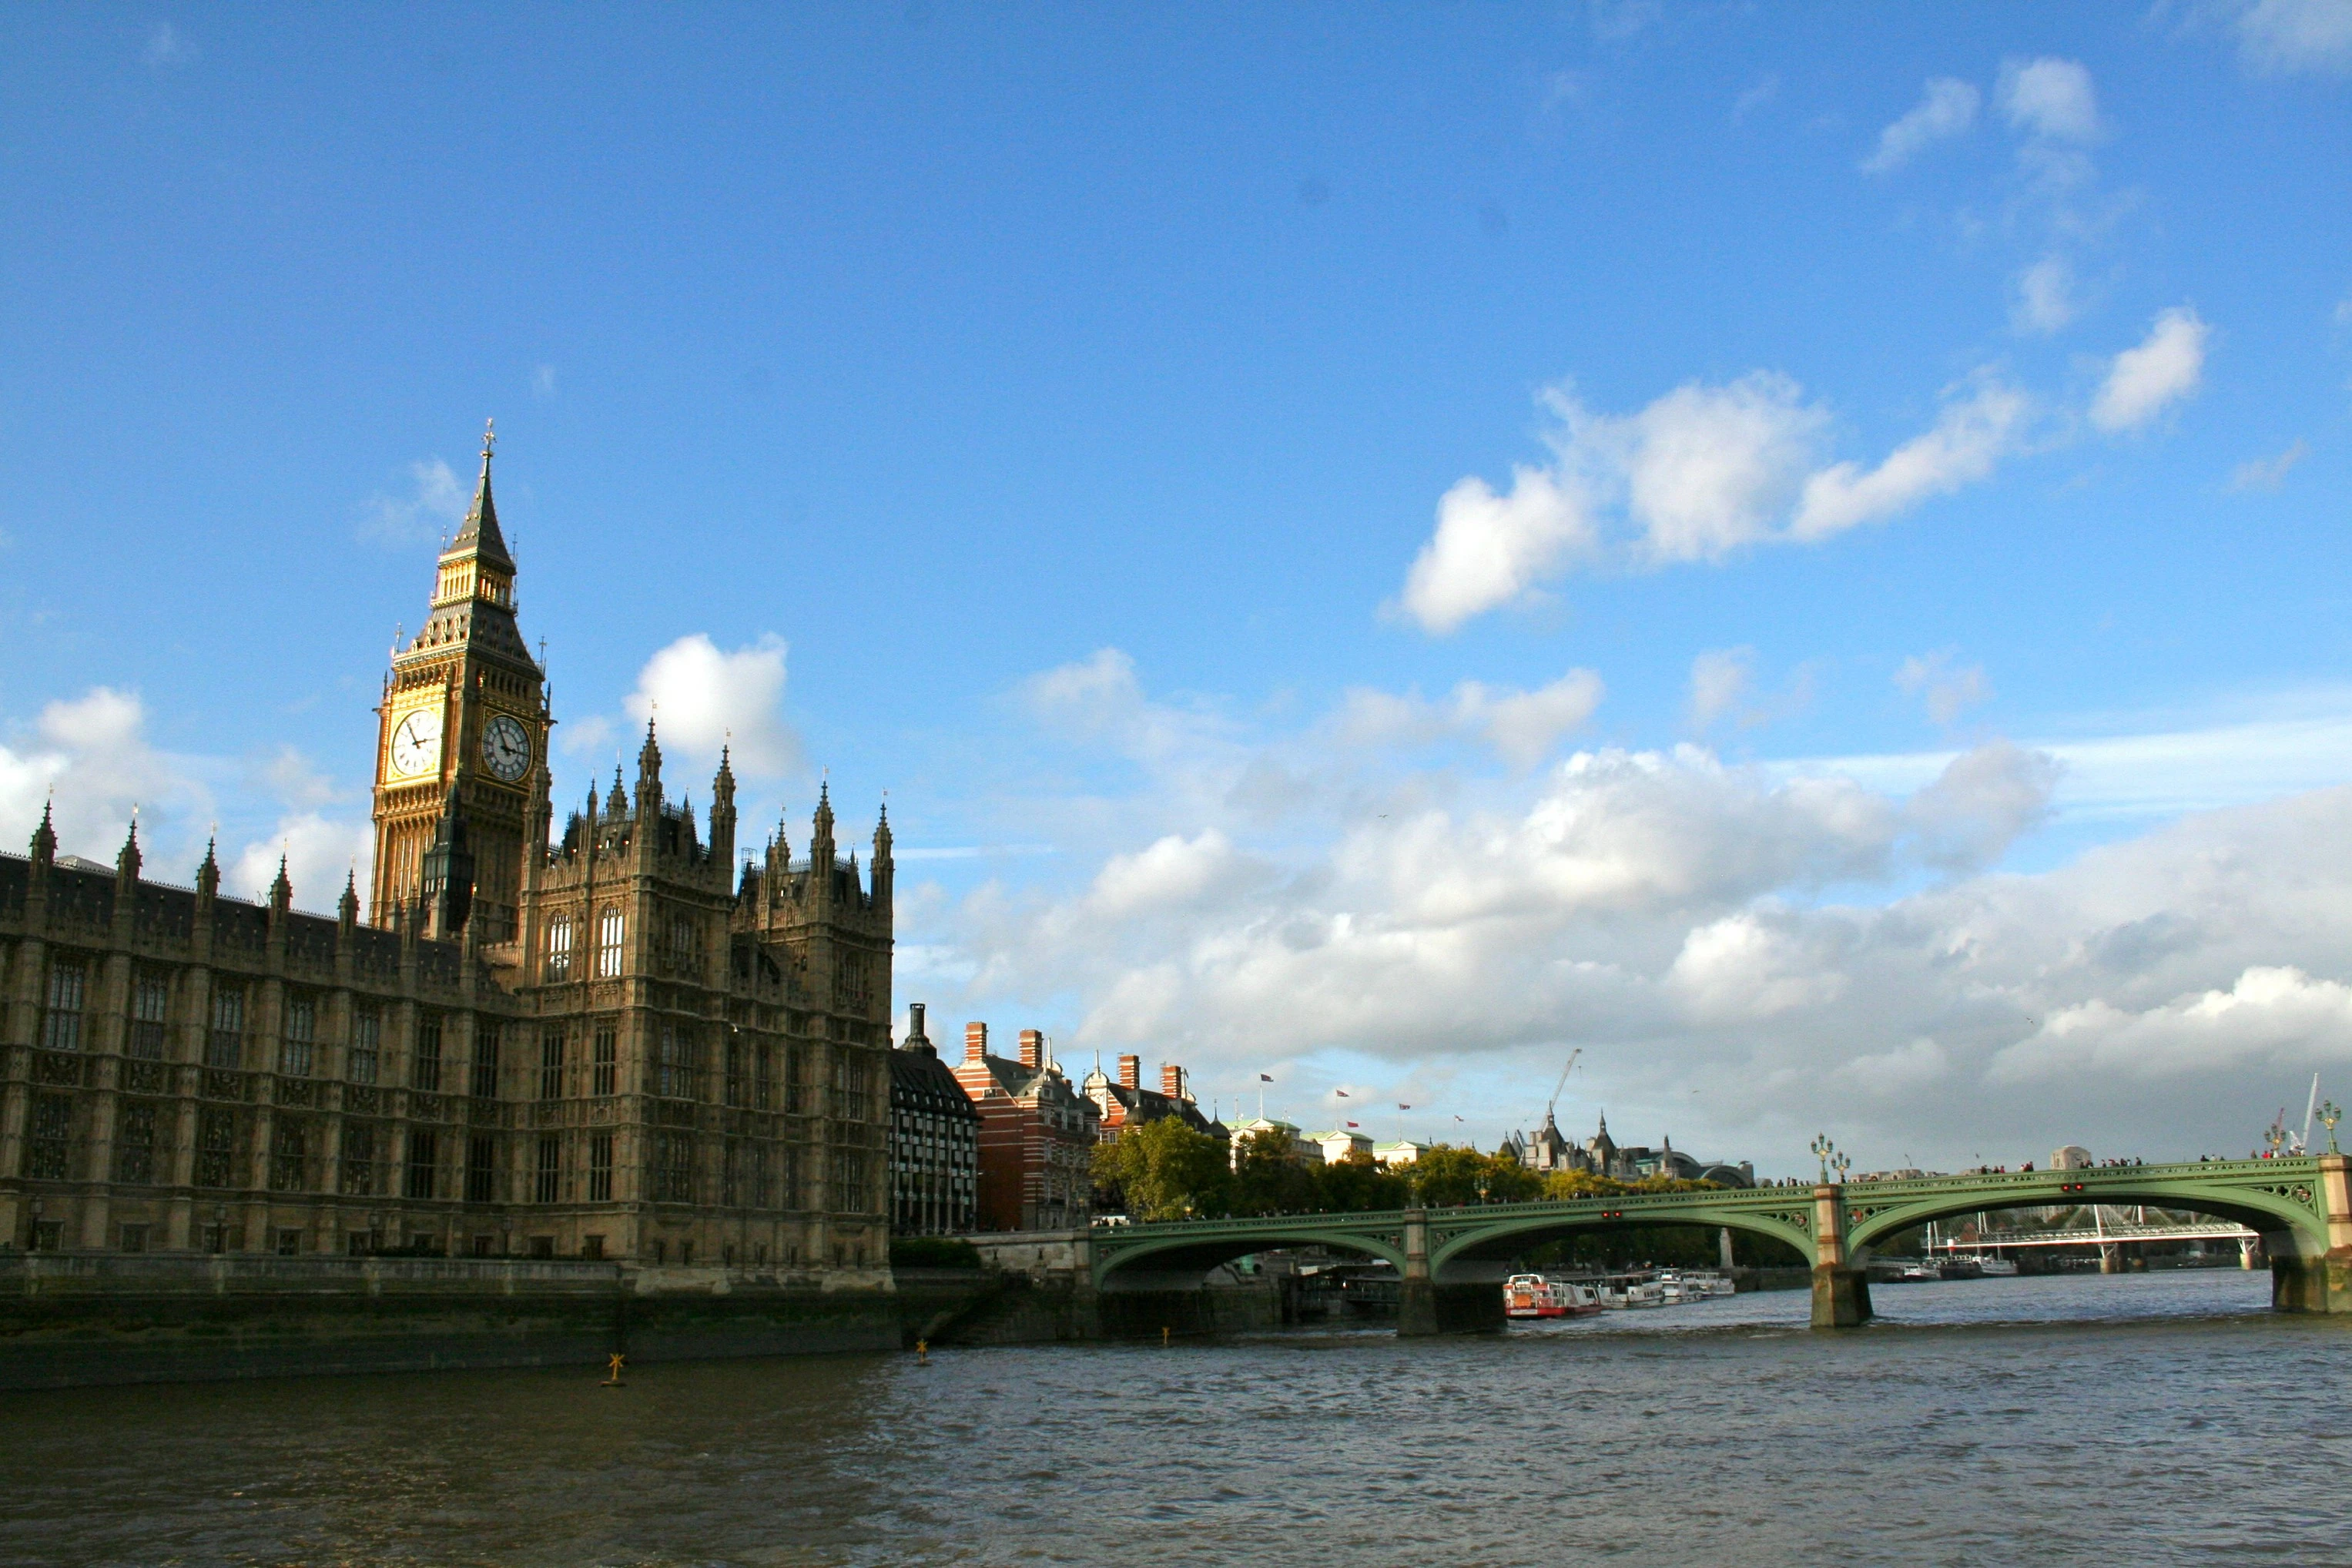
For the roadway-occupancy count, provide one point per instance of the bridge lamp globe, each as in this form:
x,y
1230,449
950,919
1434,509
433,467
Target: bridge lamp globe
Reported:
x,y
2329,1115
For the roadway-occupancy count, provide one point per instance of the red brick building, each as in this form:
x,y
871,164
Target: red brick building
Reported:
x,y
1037,1135
1125,1102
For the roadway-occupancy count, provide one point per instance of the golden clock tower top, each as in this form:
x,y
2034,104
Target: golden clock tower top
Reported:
x,y
463,734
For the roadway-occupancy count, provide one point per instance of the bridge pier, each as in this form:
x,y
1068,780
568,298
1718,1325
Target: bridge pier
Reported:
x,y
1417,1298
2303,1281
1841,1294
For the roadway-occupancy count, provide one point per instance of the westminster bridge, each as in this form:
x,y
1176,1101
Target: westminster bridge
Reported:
x,y
1449,1258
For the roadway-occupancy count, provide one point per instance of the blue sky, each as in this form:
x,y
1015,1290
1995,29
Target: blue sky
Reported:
x,y
1345,535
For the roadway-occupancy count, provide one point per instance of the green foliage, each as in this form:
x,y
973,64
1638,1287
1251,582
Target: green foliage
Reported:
x,y
1267,1180
1446,1177
1164,1170
932,1252
1357,1185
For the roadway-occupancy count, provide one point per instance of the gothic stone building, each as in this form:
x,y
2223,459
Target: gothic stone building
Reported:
x,y
605,1044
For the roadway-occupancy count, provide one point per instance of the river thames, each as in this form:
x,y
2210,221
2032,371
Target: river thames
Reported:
x,y
2143,1418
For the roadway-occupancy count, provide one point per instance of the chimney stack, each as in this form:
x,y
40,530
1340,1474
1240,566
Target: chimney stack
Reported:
x,y
1033,1050
975,1041
1130,1072
1171,1080
915,1036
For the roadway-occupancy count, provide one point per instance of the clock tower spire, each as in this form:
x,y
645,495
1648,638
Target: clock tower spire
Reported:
x,y
462,734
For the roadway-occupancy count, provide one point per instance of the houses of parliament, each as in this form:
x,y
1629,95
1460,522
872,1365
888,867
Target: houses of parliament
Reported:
x,y
600,1042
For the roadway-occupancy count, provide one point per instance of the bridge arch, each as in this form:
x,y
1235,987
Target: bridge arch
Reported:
x,y
2280,1205
1141,1260
1460,1238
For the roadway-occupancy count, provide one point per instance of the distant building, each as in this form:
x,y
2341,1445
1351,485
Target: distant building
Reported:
x,y
1303,1150
1125,1102
2072,1157
1404,1152
1342,1144
934,1142
1037,1135
1550,1150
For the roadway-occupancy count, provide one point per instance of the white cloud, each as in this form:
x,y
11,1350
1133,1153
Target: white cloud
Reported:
x,y
1718,682
2048,99
1947,108
319,852
2143,382
1970,436
2272,1017
2296,35
1947,690
700,699
1520,727
435,504
2045,296
1696,475
1493,550
2268,473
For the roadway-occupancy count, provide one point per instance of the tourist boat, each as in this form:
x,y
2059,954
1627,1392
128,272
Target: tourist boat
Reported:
x,y
1917,1272
1533,1295
1994,1266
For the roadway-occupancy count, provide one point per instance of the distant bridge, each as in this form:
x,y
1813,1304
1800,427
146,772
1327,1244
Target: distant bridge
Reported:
x,y
1449,1258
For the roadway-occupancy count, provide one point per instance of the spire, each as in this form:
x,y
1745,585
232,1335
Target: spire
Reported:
x,y
480,533
208,874
281,890
617,803
126,864
649,790
45,837
347,907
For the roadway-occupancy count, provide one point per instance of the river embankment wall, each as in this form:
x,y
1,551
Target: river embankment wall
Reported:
x,y
69,1320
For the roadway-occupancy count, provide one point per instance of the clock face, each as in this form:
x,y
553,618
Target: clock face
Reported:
x,y
416,743
506,748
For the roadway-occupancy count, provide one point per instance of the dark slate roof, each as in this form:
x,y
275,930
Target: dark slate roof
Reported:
x,y
920,1081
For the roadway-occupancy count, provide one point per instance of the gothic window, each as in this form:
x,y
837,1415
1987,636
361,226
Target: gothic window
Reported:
x,y
359,1160
792,1168
600,1168
849,1088
150,995
730,1188
425,1072
675,1067
764,1185
367,1045
796,1079
608,944
763,1095
216,1147
134,1143
734,1068
423,1148
61,1030
681,942
47,1149
608,1062
551,1064
225,1045
559,948
547,1178
481,1168
298,1049
485,1060
848,1195
673,1170
290,1151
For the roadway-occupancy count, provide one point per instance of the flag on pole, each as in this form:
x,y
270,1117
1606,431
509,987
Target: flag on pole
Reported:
x,y
1351,1124
1266,1078
1340,1092
1405,1107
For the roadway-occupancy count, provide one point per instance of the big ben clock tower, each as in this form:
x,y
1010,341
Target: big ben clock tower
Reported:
x,y
461,748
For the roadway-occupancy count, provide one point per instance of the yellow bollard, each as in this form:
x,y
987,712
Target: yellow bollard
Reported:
x,y
1163,1336
618,1362
922,1353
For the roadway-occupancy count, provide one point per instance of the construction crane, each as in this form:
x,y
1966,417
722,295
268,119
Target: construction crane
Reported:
x,y
1553,1103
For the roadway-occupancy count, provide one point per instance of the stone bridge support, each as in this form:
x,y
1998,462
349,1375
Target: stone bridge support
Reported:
x,y
2304,1282
1840,1292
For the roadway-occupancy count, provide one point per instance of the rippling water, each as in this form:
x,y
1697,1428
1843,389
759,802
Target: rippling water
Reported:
x,y
2142,1419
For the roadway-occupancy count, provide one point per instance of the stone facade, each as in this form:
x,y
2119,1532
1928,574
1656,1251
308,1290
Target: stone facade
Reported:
x,y
606,1045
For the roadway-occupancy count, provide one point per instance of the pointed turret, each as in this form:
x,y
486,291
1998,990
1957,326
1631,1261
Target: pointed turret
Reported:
x,y
208,875
883,868
281,890
821,832
479,534
127,859
45,839
649,790
722,814
347,907
617,803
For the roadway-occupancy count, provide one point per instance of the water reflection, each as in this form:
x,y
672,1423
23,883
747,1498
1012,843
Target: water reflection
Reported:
x,y
1969,1425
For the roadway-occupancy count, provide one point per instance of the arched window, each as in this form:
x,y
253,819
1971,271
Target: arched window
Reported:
x,y
559,948
608,944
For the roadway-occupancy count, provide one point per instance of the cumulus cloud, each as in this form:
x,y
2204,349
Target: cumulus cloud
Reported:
x,y
1697,475
2268,473
1977,428
2143,382
2274,1016
434,505
1947,690
1718,682
1493,550
1521,727
2286,36
701,698
2048,99
2045,296
1947,108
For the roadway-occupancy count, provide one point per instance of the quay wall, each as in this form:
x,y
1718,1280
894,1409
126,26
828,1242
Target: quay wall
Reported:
x,y
70,1320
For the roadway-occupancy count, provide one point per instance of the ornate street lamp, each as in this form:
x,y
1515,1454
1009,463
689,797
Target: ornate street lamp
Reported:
x,y
2329,1115
1822,1149
1841,1163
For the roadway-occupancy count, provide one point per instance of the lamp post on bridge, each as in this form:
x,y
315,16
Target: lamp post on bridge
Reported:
x,y
1822,1150
2329,1115
1840,1163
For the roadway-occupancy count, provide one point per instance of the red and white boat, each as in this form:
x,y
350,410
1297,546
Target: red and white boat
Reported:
x,y
1533,1295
